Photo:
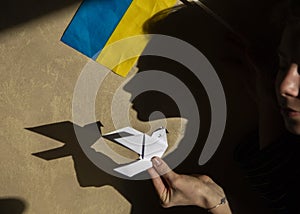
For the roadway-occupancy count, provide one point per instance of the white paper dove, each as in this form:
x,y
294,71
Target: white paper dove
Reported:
x,y
146,146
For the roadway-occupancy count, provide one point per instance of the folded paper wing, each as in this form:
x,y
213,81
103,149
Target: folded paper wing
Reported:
x,y
129,138
146,146
129,130
134,168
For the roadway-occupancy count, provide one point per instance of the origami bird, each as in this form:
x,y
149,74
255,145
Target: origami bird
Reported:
x,y
144,145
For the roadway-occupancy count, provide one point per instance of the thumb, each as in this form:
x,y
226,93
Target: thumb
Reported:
x,y
163,169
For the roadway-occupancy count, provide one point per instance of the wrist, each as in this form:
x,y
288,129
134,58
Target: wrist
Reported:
x,y
221,208
217,204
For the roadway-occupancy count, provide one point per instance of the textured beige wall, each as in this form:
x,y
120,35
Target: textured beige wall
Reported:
x,y
38,74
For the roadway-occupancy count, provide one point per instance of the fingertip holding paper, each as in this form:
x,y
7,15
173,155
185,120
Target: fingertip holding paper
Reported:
x,y
146,146
100,23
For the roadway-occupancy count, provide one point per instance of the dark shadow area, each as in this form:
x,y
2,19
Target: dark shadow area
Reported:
x,y
12,206
151,101
225,51
16,12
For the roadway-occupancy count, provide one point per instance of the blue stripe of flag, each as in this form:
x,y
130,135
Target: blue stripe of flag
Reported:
x,y
93,24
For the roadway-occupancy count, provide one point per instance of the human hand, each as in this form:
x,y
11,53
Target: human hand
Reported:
x,y
179,190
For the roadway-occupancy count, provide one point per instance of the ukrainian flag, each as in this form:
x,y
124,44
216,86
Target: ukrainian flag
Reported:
x,y
99,23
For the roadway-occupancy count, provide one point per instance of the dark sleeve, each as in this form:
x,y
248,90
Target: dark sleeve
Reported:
x,y
273,171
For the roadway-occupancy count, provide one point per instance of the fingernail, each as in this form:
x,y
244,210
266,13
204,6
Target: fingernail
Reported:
x,y
156,161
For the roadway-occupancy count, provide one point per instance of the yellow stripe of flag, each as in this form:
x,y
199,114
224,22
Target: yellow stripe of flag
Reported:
x,y
131,25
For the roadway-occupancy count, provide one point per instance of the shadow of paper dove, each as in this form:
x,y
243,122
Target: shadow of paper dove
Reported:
x,y
58,131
